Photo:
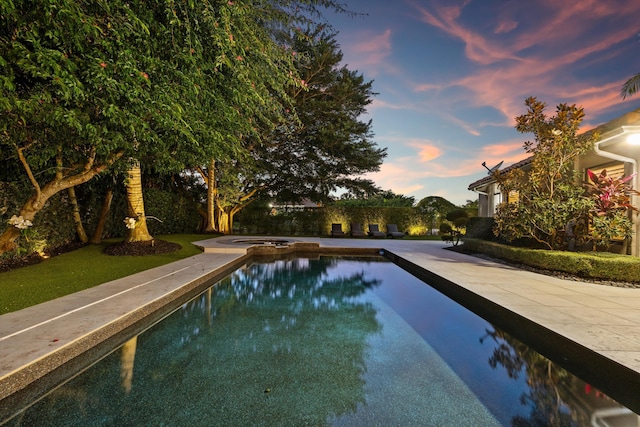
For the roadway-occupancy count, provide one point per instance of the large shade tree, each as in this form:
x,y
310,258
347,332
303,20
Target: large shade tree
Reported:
x,y
65,113
85,84
323,145
216,68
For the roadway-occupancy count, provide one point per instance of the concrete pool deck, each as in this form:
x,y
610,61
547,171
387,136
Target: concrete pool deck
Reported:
x,y
34,340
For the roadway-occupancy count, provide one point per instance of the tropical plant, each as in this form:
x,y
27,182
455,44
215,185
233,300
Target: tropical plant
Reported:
x,y
630,87
548,197
611,206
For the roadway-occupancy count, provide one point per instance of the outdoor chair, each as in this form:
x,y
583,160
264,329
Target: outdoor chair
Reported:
x,y
336,230
374,231
356,230
392,231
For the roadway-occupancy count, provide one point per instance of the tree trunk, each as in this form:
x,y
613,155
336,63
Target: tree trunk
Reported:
x,y
36,202
135,204
77,218
96,239
223,220
211,220
212,196
8,239
127,359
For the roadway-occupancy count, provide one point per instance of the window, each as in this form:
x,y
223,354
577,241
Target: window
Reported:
x,y
613,169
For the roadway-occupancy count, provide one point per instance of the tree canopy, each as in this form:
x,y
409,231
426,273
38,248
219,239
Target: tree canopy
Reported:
x,y
319,146
380,199
169,84
330,145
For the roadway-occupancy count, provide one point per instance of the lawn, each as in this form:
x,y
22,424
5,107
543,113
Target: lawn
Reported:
x,y
81,269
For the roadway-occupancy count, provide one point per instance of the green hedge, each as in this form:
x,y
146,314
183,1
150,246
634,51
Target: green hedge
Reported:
x,y
595,265
317,221
175,214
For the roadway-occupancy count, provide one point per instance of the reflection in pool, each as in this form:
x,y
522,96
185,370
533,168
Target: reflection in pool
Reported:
x,y
328,341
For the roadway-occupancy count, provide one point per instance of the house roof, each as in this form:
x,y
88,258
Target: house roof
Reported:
x,y
489,178
627,119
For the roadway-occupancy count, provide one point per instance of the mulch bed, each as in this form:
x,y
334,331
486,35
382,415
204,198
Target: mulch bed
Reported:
x,y
24,261
153,247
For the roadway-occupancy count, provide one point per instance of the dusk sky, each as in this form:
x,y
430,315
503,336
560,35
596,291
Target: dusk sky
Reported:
x,y
453,74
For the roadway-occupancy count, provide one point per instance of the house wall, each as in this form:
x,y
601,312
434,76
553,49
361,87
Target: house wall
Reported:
x,y
489,200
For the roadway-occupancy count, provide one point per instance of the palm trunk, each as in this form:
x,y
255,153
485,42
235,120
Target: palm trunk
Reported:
x,y
211,216
127,360
223,220
135,204
212,196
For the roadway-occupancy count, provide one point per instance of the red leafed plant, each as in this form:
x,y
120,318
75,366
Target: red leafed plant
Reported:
x,y
611,198
609,193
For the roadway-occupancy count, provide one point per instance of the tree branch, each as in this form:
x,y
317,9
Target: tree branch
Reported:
x,y
27,169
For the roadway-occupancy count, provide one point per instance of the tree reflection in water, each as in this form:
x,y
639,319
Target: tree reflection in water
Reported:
x,y
555,397
276,344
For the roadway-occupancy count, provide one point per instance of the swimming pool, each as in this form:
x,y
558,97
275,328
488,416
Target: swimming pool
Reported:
x,y
322,341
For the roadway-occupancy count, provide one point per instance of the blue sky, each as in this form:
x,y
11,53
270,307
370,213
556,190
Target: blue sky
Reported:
x,y
453,74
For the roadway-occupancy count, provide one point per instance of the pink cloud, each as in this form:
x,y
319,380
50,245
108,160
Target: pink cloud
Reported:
x,y
510,57
443,162
554,51
478,49
505,27
370,51
426,150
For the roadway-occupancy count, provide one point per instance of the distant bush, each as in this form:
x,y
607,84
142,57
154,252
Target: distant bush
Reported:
x,y
480,228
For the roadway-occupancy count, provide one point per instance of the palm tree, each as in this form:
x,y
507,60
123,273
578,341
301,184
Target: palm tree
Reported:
x,y
631,86
138,231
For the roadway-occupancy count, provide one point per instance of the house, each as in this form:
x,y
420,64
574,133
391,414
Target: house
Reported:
x,y
617,150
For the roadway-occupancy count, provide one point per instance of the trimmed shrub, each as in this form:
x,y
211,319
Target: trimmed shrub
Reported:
x,y
594,265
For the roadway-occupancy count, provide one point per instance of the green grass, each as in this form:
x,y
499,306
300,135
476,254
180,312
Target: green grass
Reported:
x,y
81,269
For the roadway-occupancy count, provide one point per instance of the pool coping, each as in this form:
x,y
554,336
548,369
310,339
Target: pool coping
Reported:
x,y
159,291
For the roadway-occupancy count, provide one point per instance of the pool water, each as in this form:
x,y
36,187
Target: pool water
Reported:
x,y
326,341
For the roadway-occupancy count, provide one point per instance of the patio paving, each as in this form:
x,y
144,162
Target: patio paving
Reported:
x,y
36,340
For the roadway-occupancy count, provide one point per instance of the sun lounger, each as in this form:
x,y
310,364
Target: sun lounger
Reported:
x,y
356,230
374,231
336,230
392,231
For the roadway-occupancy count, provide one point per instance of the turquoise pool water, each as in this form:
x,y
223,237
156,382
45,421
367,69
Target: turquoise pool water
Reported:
x,y
327,341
